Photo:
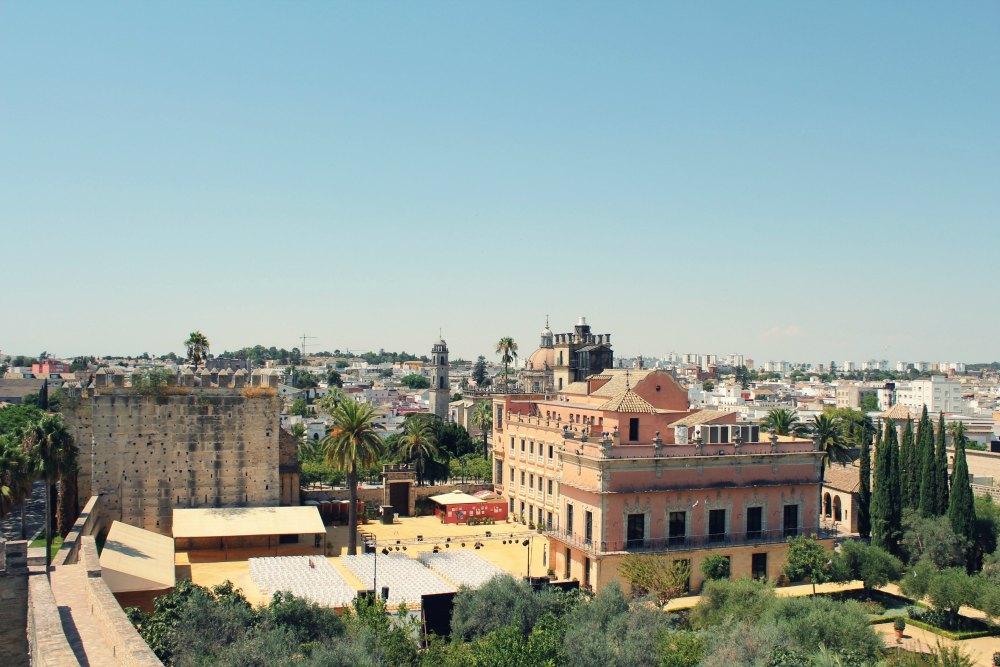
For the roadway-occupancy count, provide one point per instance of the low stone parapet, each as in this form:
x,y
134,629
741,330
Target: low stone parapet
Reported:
x,y
47,644
128,646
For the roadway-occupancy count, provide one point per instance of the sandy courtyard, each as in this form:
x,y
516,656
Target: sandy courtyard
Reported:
x,y
511,557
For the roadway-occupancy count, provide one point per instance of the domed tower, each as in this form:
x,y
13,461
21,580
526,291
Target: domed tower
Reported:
x,y
546,334
440,392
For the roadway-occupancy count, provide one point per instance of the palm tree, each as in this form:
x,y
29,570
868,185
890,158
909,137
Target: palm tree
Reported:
x,y
507,349
197,347
57,456
11,461
784,422
418,443
353,441
482,417
830,439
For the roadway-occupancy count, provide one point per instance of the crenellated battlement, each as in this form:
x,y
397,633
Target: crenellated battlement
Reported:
x,y
203,378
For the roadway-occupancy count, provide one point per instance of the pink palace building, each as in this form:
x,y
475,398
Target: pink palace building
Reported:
x,y
618,463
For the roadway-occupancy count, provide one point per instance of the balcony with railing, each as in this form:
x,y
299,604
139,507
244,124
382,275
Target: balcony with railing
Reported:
x,y
683,542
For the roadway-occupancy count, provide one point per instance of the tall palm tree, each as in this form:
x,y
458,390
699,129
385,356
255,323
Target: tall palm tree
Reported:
x,y
830,437
11,461
482,417
507,349
418,443
784,422
197,347
353,441
56,454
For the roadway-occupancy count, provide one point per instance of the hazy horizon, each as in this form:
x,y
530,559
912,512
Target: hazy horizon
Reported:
x,y
784,181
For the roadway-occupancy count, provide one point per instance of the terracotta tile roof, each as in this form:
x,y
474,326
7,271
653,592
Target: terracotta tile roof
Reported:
x,y
628,401
702,417
620,381
898,411
842,477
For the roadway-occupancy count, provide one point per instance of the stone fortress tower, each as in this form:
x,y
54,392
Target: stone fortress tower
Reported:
x,y
440,391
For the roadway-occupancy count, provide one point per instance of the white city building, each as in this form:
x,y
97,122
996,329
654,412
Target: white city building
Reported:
x,y
938,393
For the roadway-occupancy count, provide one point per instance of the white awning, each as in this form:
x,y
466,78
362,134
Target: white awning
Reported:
x,y
247,521
134,559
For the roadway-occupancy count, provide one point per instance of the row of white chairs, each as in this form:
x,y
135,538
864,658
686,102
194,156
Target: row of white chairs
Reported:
x,y
461,567
309,577
406,578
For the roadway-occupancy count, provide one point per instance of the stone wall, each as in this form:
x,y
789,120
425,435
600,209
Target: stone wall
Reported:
x,y
90,522
128,646
146,455
373,495
14,603
46,641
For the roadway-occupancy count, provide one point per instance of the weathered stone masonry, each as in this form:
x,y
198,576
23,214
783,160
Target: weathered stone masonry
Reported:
x,y
213,447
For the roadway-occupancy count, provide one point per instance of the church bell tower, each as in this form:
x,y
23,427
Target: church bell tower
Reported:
x,y
440,392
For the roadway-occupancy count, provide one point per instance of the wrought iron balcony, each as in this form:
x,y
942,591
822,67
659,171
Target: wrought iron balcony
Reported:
x,y
682,542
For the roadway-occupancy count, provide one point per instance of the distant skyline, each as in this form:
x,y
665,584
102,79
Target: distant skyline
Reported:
x,y
786,181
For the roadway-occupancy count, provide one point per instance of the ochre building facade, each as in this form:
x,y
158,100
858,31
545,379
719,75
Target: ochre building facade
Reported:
x,y
619,463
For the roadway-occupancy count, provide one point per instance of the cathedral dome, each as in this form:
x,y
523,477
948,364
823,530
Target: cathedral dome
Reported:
x,y
540,358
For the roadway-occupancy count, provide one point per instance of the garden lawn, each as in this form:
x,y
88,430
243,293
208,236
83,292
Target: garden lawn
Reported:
x,y
57,541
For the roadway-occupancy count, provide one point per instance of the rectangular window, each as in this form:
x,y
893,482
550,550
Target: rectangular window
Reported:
x,y
548,521
758,566
512,474
569,519
633,429
716,525
677,527
498,472
499,419
512,442
531,514
522,444
755,522
540,480
550,487
522,478
569,563
511,508
522,510
531,447
550,451
791,521
635,531
531,481
588,526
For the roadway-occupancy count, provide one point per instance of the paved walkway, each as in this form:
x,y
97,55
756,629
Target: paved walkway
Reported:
x,y
34,516
81,628
917,639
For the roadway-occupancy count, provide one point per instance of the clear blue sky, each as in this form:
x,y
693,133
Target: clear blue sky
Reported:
x,y
789,180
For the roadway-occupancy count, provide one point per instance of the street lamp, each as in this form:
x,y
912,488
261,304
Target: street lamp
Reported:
x,y
527,543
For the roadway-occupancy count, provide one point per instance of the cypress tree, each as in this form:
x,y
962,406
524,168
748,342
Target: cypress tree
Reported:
x,y
928,489
961,507
908,469
865,486
941,468
895,490
881,511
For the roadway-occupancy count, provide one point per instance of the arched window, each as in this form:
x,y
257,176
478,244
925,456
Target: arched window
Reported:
x,y
836,508
826,505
